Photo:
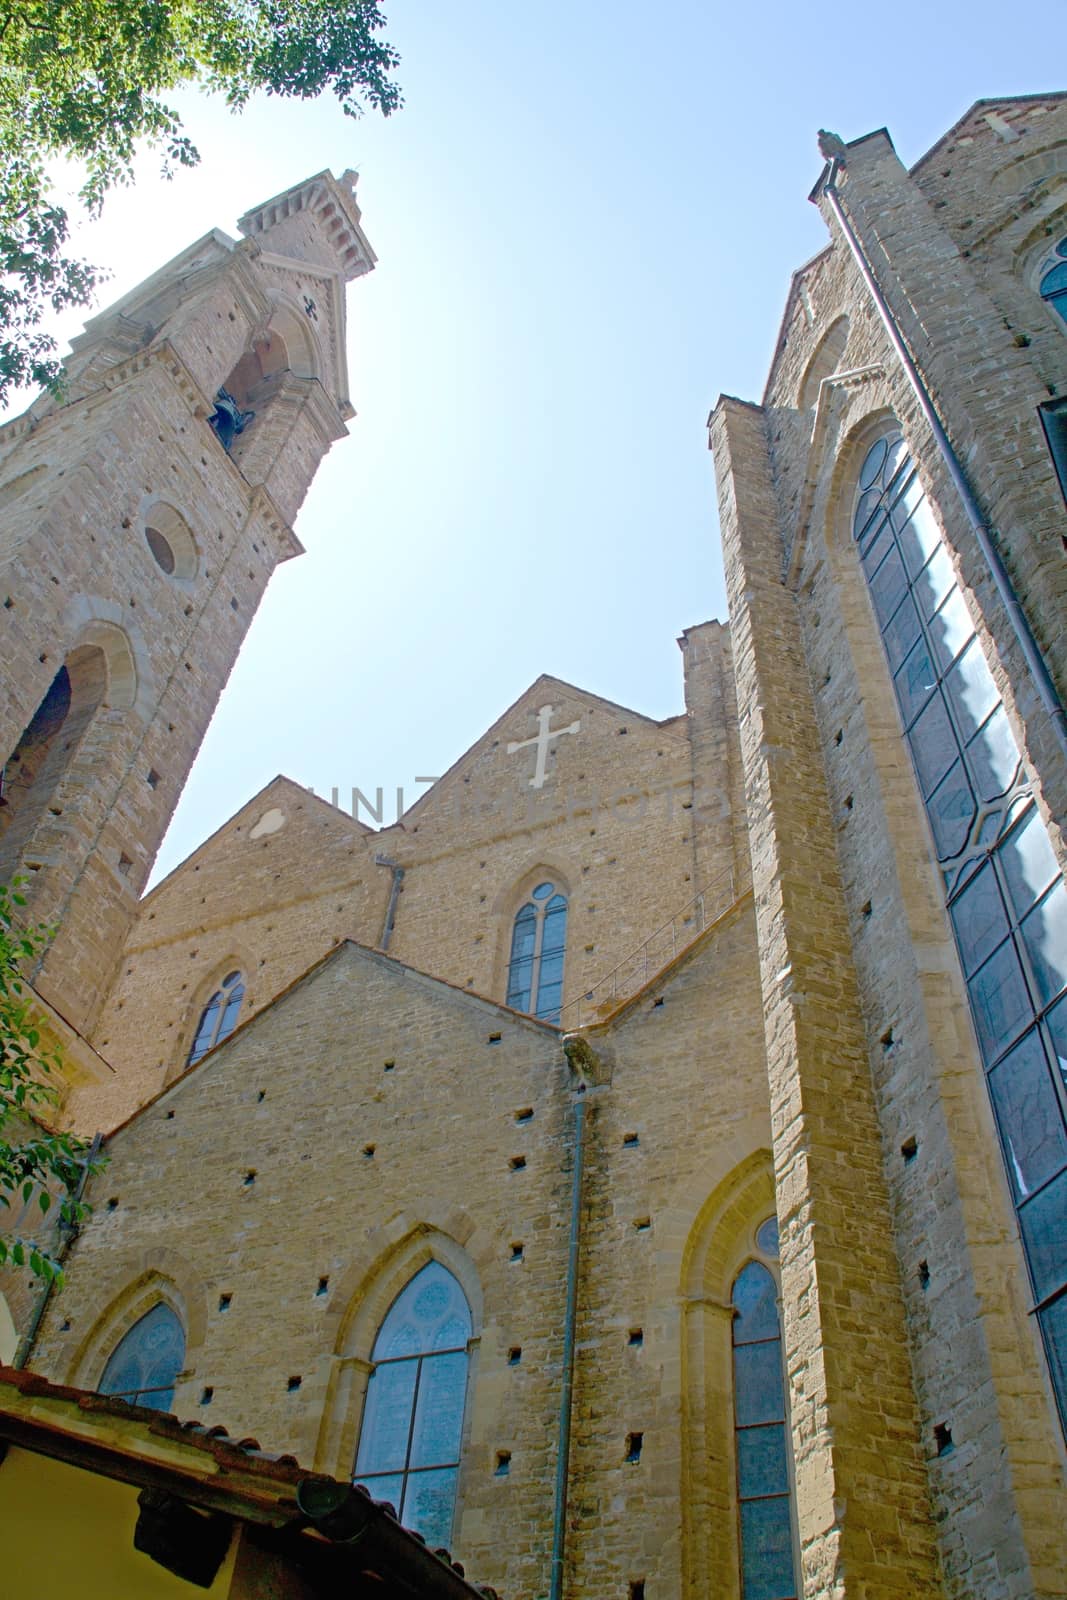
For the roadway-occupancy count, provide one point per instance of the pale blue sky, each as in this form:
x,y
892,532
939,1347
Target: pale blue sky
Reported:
x,y
586,217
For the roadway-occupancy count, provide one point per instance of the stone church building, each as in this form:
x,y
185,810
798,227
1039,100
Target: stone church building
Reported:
x,y
644,1164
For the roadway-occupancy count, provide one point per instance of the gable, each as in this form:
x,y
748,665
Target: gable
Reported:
x,y
282,838
555,745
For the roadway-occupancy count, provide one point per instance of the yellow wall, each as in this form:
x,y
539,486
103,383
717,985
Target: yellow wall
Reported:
x,y
68,1532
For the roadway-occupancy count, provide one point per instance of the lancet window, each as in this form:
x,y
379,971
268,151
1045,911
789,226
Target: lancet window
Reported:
x,y
219,1016
1004,892
768,1570
144,1366
1052,280
31,776
538,946
409,1444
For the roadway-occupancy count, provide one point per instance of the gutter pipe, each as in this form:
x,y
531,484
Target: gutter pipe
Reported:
x,y
394,895
563,1451
68,1234
981,529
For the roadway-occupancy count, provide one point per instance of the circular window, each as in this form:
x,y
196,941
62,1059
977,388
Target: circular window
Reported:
x,y
169,538
160,548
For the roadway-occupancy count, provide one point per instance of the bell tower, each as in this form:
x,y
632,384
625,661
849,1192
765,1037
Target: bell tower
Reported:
x,y
141,516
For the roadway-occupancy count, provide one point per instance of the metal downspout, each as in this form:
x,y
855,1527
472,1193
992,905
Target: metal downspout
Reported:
x,y
1042,677
394,895
68,1233
563,1452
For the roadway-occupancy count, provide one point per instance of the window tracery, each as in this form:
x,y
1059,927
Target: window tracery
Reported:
x,y
219,1017
144,1366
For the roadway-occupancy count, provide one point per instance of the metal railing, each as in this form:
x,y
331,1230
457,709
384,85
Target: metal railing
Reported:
x,y
651,957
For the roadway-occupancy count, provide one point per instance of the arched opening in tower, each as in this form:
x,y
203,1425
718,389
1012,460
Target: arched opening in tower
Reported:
x,y
33,774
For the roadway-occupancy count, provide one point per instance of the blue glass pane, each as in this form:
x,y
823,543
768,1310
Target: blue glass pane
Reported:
x,y
873,528
951,628
1029,1115
755,1301
551,970
1000,1001
971,689
900,633
549,1000
758,1392
979,918
896,460
1043,1221
889,585
916,681
520,978
205,1033
952,810
229,1016
934,582
761,1462
1057,1024
383,1440
1054,280
520,971
554,936
149,1357
1029,862
920,537
542,891
389,1489
1045,934
933,744
439,1411
766,1550
429,1505
873,463
994,756
1053,1321
767,1236
524,932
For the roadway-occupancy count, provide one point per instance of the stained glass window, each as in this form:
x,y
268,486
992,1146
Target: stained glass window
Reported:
x,y
409,1442
538,942
763,1488
145,1364
1053,280
1005,895
219,1016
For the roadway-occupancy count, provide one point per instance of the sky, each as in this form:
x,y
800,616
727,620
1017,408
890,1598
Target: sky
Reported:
x,y
586,217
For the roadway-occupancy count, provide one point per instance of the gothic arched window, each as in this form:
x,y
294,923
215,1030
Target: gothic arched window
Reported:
x,y
144,1366
409,1443
219,1016
763,1487
46,752
1005,895
538,942
1052,281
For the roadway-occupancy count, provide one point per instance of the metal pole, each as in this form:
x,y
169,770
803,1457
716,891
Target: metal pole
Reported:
x,y
67,1235
563,1452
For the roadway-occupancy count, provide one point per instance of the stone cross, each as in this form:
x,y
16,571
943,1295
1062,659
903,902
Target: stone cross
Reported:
x,y
541,740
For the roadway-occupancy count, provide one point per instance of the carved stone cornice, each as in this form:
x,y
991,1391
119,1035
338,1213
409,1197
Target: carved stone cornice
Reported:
x,y
335,209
